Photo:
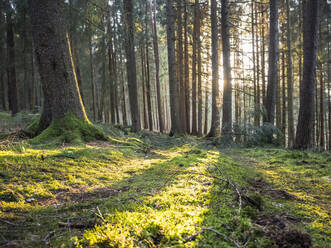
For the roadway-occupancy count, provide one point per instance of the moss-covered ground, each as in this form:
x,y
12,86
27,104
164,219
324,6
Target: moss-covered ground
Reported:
x,y
150,190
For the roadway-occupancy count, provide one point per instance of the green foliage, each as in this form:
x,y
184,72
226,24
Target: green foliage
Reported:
x,y
259,135
69,130
19,121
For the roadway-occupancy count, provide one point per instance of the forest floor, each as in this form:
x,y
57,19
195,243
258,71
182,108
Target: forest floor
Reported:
x,y
151,190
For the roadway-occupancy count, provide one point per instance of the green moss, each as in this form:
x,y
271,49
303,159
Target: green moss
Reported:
x,y
70,130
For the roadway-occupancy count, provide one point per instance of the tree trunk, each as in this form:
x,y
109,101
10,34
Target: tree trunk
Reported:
x,y
322,138
52,47
215,121
93,86
187,72
131,65
303,139
180,65
199,73
194,68
157,65
273,63
2,54
227,90
289,78
172,67
148,92
11,68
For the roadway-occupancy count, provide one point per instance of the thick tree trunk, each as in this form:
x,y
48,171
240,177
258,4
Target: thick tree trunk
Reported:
x,y
52,47
273,63
11,68
157,65
215,121
172,67
227,90
304,138
131,65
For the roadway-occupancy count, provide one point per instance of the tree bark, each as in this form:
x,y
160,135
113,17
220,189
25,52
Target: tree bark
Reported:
x,y
187,72
289,78
215,122
131,65
157,65
303,139
194,68
173,87
54,57
11,60
227,90
273,63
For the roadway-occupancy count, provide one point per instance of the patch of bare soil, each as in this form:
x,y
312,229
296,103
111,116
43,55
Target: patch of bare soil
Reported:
x,y
81,194
263,187
99,144
278,229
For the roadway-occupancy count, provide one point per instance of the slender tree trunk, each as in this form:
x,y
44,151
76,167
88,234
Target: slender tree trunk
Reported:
x,y
215,121
263,59
194,68
2,55
227,90
289,78
157,65
131,65
93,86
11,68
283,101
143,81
199,73
187,72
205,131
273,63
256,111
258,93
322,138
52,47
303,139
148,91
180,66
173,87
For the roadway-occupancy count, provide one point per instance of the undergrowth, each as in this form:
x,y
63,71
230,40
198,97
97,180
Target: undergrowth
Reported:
x,y
150,190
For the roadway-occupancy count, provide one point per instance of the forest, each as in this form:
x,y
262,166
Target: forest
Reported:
x,y
165,123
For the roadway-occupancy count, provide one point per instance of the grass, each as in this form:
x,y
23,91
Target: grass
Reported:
x,y
150,190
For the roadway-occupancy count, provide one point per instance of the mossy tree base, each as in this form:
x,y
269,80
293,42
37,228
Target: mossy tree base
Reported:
x,y
69,129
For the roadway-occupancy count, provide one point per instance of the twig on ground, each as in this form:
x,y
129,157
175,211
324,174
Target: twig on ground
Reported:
x,y
133,198
8,223
193,236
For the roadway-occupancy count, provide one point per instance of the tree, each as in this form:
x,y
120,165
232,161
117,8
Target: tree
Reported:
x,y
304,137
157,63
273,63
289,78
11,68
227,90
131,65
215,122
52,47
173,87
